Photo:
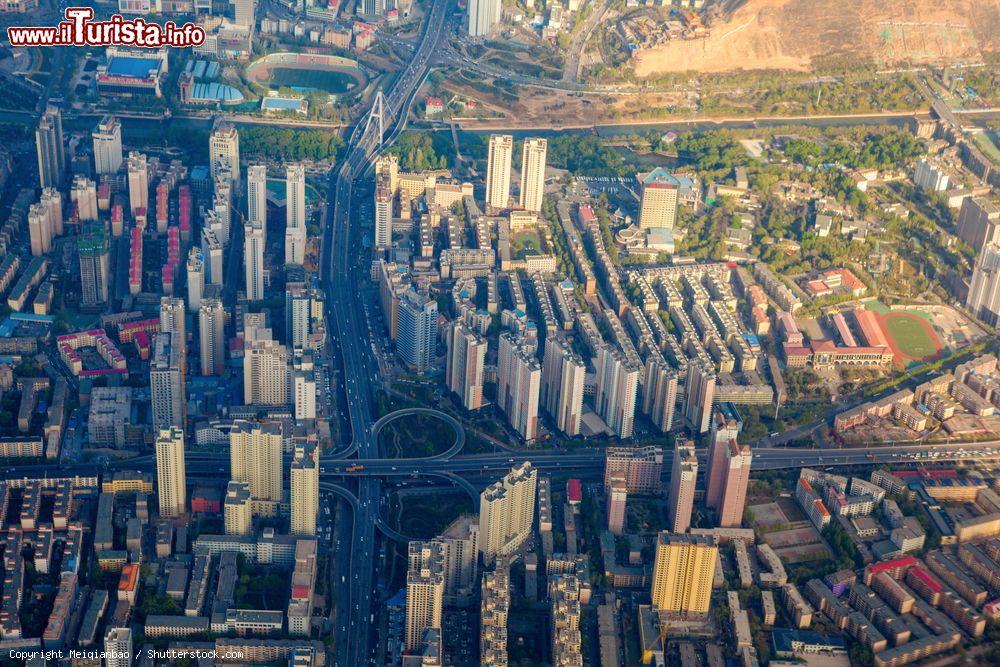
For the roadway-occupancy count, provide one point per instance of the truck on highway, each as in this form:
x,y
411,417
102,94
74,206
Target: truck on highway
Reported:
x,y
354,468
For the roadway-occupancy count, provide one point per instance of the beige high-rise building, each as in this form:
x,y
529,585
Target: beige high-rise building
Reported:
x,y
255,458
388,165
257,195
50,147
641,467
295,214
494,609
616,390
170,472
519,378
253,261
424,596
458,545
267,373
138,182
118,647
533,174
498,165
83,193
700,388
984,291
683,575
383,212
659,393
507,512
464,371
172,318
617,500
658,207
212,336
304,490
978,223
237,509
567,644
224,151
563,375
683,476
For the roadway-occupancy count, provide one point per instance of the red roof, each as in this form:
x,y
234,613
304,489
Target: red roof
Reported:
x,y
925,576
300,592
573,491
905,561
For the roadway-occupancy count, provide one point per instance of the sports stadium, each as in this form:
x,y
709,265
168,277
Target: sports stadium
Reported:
x,y
308,71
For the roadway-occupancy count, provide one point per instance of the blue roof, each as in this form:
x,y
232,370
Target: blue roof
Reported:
x,y
132,66
282,103
660,176
216,91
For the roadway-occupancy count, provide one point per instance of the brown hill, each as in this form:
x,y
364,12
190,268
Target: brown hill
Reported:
x,y
794,34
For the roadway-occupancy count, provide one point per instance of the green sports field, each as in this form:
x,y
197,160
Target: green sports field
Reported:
x,y
330,81
912,335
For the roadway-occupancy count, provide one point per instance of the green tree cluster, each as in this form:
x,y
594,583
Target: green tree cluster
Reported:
x,y
270,143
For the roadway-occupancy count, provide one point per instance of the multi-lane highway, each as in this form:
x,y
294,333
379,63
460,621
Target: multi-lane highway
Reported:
x,y
355,619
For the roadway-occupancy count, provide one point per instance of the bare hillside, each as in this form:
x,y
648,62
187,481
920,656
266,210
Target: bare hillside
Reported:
x,y
792,34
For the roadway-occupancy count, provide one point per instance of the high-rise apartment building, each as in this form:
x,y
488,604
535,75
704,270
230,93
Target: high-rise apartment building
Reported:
x,y
978,222
304,495
683,476
237,512
563,375
641,467
266,373
533,173
416,330
424,596
212,336
383,212
457,548
243,13
195,279
50,148
567,645
484,15
170,473
726,425
466,357
138,182
519,378
304,385
224,151
387,166
658,208
166,381
253,260
107,138
94,251
298,314
507,512
83,193
295,214
257,195
700,388
118,647
659,392
255,458
498,166
736,477
984,290
211,254
174,321
682,575
494,609
617,384
617,494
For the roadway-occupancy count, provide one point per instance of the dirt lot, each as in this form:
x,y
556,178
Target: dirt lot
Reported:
x,y
790,34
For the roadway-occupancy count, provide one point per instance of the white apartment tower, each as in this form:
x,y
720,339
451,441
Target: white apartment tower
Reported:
x,y
304,385
616,390
255,458
424,600
253,260
212,336
416,330
211,254
304,490
166,381
507,512
295,212
224,151
533,174
195,279
138,182
682,486
257,195
266,373
170,474
498,166
563,373
118,647
51,151
107,138
659,392
483,16
984,291
383,213
519,379
466,357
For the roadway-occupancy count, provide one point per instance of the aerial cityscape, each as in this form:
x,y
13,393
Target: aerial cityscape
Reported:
x,y
570,333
